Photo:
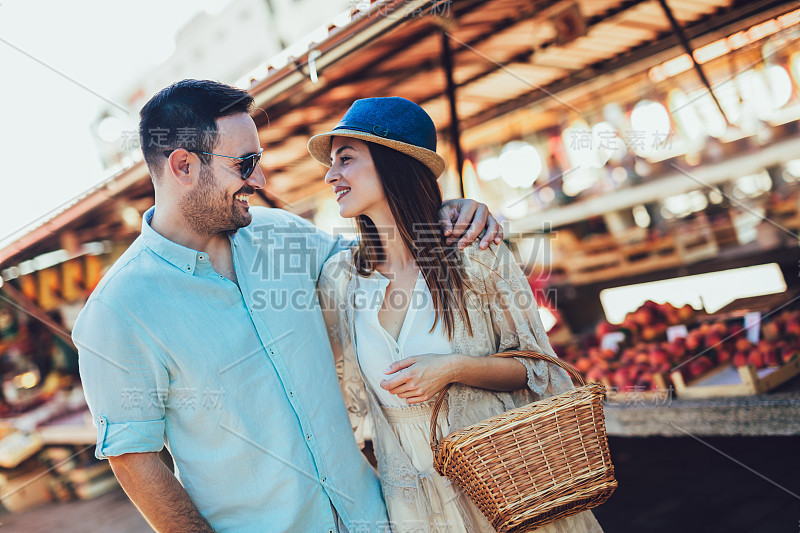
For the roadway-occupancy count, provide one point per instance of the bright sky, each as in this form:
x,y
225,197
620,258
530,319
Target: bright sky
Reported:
x,y
54,56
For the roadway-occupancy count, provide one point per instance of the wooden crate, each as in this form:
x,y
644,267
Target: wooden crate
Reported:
x,y
16,447
601,259
696,244
586,268
597,243
650,255
27,491
86,481
785,212
730,381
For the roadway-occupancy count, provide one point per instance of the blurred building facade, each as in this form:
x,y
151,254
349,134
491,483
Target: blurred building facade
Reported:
x,y
222,46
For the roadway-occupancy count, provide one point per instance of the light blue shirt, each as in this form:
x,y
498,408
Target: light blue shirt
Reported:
x,y
238,381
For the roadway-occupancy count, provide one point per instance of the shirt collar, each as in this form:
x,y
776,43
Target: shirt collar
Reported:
x,y
181,257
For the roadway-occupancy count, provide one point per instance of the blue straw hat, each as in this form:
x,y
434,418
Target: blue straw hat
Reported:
x,y
394,122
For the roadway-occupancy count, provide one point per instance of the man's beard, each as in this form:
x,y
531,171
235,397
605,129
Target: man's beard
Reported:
x,y
208,210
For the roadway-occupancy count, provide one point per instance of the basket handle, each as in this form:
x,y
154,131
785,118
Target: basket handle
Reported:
x,y
514,353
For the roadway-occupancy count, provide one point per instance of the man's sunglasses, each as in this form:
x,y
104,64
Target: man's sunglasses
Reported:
x,y
247,166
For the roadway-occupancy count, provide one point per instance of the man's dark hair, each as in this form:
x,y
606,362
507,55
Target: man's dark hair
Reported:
x,y
184,116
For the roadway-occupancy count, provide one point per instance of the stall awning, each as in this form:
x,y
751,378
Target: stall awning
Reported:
x,y
507,55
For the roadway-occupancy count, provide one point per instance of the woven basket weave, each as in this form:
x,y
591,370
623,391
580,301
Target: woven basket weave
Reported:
x,y
533,465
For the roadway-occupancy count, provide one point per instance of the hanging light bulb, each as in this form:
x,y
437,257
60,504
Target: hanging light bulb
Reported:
x,y
607,142
488,168
712,119
651,123
641,217
520,164
780,85
686,116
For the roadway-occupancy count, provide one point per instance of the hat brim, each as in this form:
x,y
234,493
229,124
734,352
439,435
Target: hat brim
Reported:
x,y
319,146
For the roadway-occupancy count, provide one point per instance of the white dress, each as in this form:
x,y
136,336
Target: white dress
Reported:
x,y
417,498
440,508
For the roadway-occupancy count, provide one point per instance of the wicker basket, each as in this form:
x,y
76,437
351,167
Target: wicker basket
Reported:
x,y
533,465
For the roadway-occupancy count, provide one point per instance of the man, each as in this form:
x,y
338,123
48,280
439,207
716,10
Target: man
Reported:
x,y
206,335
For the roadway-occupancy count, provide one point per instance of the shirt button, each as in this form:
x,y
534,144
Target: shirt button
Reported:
x,y
324,479
201,257
291,393
308,437
221,276
397,350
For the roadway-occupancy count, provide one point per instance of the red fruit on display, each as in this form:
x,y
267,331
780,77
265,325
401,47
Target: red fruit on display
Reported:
x,y
620,379
686,313
608,354
644,380
649,333
699,366
594,375
793,327
771,358
643,316
713,340
788,354
583,365
677,349
739,359
627,355
720,329
629,324
672,317
723,357
743,344
604,328
651,306
756,358
658,357
771,330
694,341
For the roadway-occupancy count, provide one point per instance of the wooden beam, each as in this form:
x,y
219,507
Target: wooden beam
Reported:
x,y
455,133
743,10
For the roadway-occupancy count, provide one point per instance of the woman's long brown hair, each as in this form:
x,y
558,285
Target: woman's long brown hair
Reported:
x,y
415,199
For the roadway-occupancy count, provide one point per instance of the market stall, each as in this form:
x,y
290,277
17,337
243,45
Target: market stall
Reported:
x,y
625,144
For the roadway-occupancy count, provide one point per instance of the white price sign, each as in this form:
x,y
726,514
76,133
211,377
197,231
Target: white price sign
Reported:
x,y
676,332
752,323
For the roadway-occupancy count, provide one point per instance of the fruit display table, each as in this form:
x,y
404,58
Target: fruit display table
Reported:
x,y
776,413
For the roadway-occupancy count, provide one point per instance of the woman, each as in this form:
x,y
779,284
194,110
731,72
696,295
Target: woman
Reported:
x,y
408,314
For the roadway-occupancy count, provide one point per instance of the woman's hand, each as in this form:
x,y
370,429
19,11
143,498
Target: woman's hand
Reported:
x,y
467,218
417,379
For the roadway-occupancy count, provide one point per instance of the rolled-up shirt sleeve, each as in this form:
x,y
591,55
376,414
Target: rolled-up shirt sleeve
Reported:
x,y
126,385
